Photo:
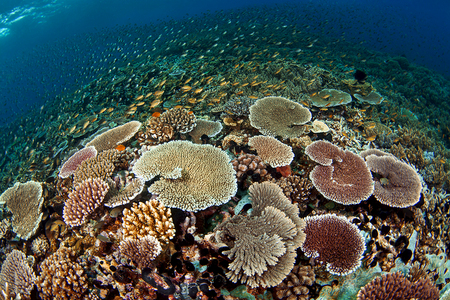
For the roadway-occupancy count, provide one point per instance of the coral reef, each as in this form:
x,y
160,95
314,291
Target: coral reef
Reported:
x,y
334,241
330,97
248,163
180,119
115,136
193,177
272,151
149,218
205,127
72,163
61,278
25,201
17,275
342,176
294,287
102,166
278,116
86,197
142,250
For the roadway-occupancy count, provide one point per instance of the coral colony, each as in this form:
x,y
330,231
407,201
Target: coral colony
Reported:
x,y
248,171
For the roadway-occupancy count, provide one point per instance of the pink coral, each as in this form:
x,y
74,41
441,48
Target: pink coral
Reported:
x,y
69,167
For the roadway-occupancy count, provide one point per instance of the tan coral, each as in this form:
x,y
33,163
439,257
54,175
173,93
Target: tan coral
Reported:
x,y
205,127
102,166
125,195
330,97
17,274
239,138
115,136
149,218
61,278
296,188
180,119
40,245
83,200
156,130
248,162
193,177
72,163
272,151
373,98
25,201
278,116
294,287
142,251
262,245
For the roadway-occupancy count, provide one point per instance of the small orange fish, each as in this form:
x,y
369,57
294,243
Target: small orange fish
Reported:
x,y
156,114
155,103
326,96
159,93
120,147
328,104
186,88
140,103
371,138
190,112
253,97
140,97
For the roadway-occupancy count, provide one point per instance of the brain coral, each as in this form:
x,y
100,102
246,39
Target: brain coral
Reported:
x,y
24,200
278,116
69,167
272,151
342,176
115,136
193,177
396,183
335,241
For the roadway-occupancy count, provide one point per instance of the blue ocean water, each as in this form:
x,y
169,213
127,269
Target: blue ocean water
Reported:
x,y
50,47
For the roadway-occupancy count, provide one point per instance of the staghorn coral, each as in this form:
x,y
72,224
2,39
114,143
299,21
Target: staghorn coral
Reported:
x,y
262,245
193,177
125,195
248,162
149,218
141,250
102,166
330,97
83,200
61,278
396,183
294,287
278,116
394,286
272,151
342,176
205,127
71,164
333,240
24,200
17,275
115,136
180,119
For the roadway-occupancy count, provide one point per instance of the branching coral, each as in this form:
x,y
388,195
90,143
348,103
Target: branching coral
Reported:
x,y
17,274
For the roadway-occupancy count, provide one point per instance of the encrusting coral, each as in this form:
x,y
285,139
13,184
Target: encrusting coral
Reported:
x,y
262,245
334,241
25,201
149,218
142,250
330,97
72,163
17,274
342,176
278,116
396,183
272,151
61,278
394,286
83,200
193,177
115,136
